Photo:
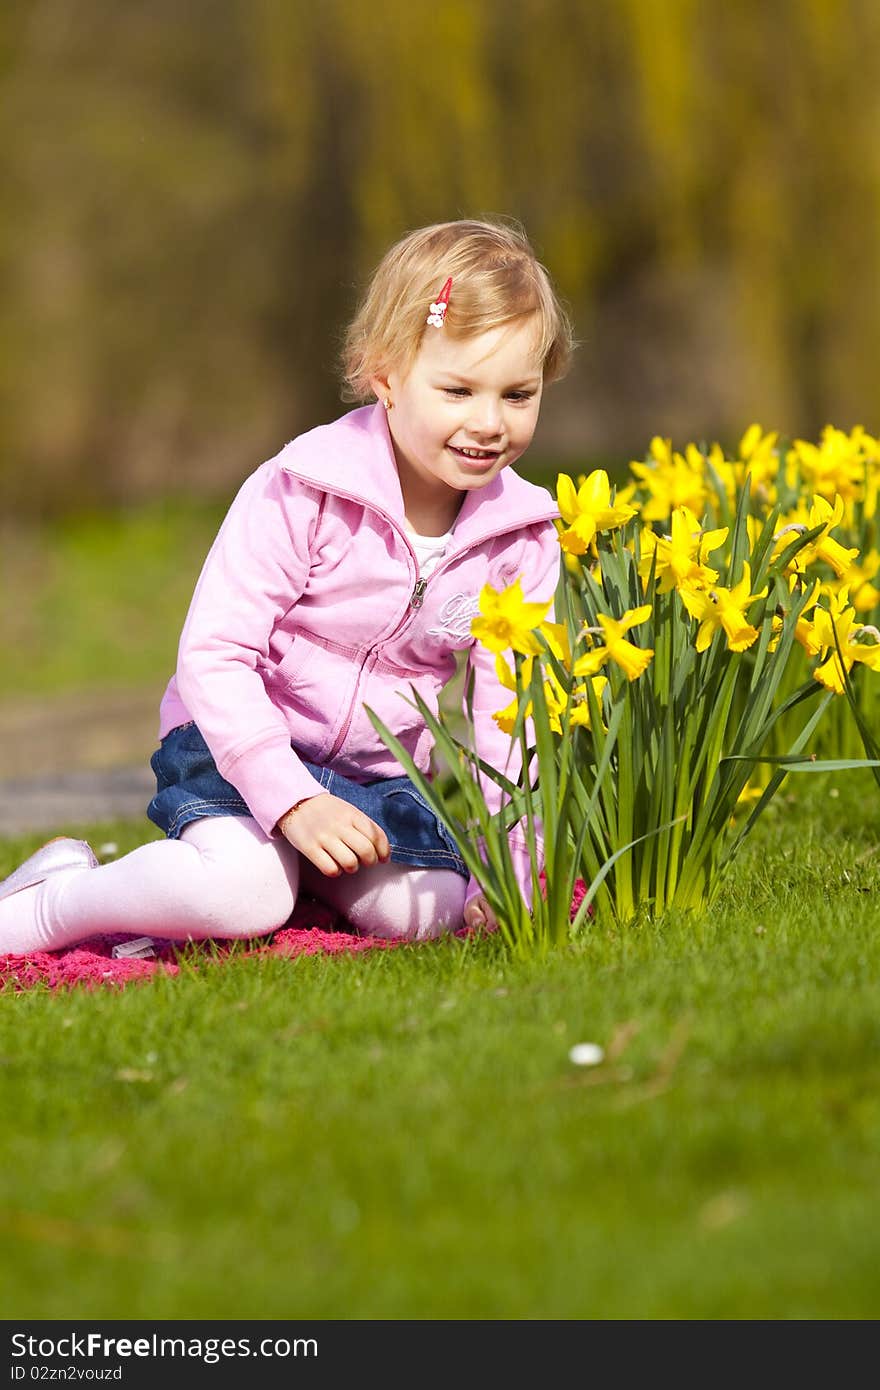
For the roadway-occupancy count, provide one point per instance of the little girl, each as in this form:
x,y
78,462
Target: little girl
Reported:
x,y
346,572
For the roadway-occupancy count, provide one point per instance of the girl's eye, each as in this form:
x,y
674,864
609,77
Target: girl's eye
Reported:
x,y
459,391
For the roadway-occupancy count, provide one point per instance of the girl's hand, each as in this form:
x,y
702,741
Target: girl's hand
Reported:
x,y
478,913
334,836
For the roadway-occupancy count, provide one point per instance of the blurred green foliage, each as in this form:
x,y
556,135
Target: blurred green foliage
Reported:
x,y
196,194
100,598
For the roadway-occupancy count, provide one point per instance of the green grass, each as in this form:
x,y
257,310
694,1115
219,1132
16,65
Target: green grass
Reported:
x,y
401,1135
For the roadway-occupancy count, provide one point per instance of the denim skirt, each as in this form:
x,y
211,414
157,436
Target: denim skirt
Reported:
x,y
188,786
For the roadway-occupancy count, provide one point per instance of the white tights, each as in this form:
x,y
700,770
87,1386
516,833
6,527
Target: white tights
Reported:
x,y
223,878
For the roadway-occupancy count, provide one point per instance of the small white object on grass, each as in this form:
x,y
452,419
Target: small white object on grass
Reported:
x,y
586,1054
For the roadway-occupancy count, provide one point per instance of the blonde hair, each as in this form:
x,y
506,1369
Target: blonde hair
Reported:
x,y
496,279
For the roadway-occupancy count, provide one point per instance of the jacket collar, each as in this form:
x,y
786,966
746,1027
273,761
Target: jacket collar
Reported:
x,y
354,457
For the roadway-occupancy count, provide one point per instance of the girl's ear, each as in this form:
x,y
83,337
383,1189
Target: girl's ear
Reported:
x,y
380,386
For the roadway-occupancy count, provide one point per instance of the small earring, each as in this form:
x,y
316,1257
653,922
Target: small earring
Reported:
x,y
388,403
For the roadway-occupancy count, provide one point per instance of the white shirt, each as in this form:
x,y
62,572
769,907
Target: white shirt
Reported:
x,y
429,550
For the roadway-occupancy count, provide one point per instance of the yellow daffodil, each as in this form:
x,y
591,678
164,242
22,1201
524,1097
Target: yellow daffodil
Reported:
x,y
556,636
681,557
507,621
826,619
588,509
805,632
506,718
864,594
726,472
749,794
671,480
833,468
723,608
554,696
631,659
824,547
580,713
759,457
571,562
818,639
830,671
872,477
557,640
803,627
754,527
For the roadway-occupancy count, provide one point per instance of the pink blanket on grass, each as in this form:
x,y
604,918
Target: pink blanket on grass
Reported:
x,y
314,929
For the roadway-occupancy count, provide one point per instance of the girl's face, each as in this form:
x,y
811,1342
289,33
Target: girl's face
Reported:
x,y
466,409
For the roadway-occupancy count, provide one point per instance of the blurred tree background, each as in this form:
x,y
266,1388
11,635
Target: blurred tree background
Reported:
x,y
195,194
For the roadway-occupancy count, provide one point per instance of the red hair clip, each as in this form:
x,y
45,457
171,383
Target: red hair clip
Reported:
x,y
437,311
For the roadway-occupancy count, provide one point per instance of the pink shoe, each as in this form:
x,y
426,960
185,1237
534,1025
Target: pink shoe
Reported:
x,y
51,858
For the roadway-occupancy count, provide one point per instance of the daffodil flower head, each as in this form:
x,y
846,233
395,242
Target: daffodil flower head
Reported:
x,y
865,595
556,700
872,477
556,637
506,718
507,621
805,630
681,556
759,457
588,510
856,643
671,480
728,473
824,546
555,697
749,794
834,467
754,527
724,609
580,708
806,633
631,659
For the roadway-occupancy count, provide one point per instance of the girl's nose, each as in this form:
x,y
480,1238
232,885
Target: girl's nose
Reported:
x,y
486,418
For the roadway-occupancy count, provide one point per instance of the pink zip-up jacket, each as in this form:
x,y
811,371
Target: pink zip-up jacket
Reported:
x,y
310,605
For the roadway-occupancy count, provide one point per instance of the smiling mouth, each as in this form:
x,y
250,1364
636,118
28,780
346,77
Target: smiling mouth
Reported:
x,y
475,455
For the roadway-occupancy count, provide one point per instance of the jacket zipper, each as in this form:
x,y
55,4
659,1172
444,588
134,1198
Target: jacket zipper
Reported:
x,y
369,660
417,598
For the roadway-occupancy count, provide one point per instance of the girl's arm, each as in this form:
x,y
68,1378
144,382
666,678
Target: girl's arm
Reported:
x,y
254,573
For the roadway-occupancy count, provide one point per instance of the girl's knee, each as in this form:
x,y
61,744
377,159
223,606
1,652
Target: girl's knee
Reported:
x,y
411,925
409,905
248,892
251,905
392,927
